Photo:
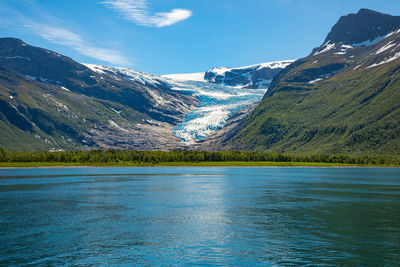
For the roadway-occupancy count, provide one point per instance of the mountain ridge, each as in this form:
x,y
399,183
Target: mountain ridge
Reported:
x,y
256,76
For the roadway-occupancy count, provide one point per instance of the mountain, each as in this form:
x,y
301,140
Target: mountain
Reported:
x,y
257,76
48,101
342,98
221,92
254,76
366,25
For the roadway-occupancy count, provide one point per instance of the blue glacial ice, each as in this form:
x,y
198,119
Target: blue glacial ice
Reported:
x,y
217,103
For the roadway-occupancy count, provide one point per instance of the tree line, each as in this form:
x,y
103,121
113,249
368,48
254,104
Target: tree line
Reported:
x,y
153,157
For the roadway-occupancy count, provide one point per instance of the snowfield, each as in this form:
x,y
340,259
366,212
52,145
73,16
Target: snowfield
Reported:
x,y
186,77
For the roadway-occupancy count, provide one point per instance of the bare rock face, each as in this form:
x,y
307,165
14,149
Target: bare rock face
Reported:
x,y
135,137
363,26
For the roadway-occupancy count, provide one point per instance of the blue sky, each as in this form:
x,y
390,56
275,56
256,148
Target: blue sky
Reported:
x,y
178,36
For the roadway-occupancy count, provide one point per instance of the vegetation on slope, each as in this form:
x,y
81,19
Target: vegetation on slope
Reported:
x,y
340,99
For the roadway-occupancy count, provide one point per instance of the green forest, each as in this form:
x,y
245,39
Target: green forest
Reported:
x,y
154,157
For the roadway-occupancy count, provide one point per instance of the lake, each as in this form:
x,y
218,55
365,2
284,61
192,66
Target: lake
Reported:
x,y
200,216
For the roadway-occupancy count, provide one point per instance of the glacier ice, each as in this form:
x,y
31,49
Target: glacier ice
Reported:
x,y
216,104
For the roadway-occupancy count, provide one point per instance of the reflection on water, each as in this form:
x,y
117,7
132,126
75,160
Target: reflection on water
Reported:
x,y
204,216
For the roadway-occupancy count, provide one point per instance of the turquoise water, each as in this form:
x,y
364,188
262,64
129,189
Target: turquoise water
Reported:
x,y
200,216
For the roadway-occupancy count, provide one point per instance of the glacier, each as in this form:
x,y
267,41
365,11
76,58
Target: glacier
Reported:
x,y
216,102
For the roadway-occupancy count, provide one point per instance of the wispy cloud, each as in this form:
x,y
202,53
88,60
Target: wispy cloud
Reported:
x,y
65,37
138,11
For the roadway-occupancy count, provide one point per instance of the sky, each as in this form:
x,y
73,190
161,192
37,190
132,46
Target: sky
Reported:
x,y
178,36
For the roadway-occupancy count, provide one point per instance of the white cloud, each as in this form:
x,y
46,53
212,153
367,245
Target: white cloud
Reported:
x,y
65,37
138,11
169,18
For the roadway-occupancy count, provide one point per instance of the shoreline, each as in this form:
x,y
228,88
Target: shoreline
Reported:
x,y
11,165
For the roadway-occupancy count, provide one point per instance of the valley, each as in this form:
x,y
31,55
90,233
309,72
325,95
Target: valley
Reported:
x,y
52,103
342,98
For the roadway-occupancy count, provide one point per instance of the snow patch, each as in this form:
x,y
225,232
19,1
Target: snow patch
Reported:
x,y
315,81
116,126
186,76
61,105
116,111
95,68
271,65
390,59
327,46
347,47
369,42
385,47
31,77
129,74
220,70
376,40
17,57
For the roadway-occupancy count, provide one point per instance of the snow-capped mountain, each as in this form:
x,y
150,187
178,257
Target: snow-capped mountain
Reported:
x,y
49,101
257,76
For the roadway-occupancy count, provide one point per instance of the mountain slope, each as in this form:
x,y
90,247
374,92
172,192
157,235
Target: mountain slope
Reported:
x,y
48,101
343,98
49,67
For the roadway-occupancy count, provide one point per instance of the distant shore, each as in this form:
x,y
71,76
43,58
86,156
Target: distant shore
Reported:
x,y
6,165
117,158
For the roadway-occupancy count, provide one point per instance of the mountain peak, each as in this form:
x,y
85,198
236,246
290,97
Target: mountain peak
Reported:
x,y
369,11
10,41
363,26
